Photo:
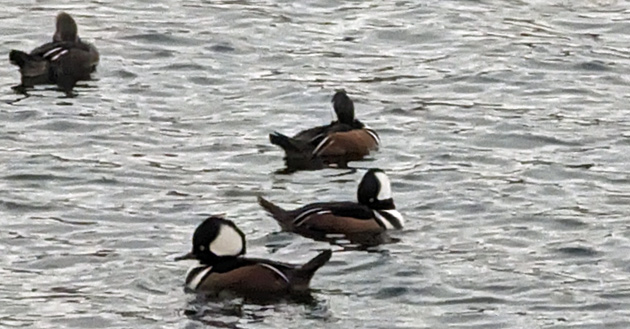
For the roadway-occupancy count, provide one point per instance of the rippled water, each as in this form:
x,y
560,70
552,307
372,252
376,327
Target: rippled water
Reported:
x,y
505,132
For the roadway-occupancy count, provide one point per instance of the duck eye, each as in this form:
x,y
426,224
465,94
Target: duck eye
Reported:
x,y
371,199
202,248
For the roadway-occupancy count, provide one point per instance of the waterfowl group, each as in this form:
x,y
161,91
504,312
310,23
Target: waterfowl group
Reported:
x,y
217,243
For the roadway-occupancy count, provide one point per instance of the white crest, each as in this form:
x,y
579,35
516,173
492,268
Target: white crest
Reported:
x,y
386,188
196,280
227,243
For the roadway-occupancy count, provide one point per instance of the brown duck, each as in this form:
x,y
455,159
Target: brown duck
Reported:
x,y
63,62
374,213
339,142
219,246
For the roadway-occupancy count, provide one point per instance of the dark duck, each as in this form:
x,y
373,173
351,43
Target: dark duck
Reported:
x,y
63,62
337,143
219,246
373,214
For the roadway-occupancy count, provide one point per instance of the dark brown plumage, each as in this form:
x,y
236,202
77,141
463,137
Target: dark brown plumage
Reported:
x,y
219,247
339,142
373,214
63,62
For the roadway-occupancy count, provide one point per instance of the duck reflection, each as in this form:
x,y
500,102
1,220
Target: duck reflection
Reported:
x,y
237,312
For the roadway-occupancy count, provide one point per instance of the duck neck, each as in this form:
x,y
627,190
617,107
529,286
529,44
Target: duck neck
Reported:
x,y
387,204
214,260
356,124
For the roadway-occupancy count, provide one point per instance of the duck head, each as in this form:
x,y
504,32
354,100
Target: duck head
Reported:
x,y
344,107
216,239
66,28
375,190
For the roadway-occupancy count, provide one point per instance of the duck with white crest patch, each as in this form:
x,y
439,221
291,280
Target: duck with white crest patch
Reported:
x,y
219,246
374,213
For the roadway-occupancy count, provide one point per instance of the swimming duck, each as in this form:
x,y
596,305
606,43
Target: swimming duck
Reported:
x,y
219,246
63,62
346,139
374,213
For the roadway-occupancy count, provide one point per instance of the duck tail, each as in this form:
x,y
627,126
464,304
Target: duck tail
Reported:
x,y
318,261
305,273
31,67
19,58
280,215
284,141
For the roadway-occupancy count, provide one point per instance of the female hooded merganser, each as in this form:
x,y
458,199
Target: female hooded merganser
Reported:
x,y
63,62
339,142
373,214
218,245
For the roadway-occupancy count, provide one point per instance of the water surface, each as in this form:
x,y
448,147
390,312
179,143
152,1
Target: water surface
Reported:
x,y
504,128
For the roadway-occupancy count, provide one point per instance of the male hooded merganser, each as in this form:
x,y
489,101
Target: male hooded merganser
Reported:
x,y
346,139
63,62
374,213
218,245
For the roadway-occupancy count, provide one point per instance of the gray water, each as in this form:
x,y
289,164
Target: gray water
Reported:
x,y
505,133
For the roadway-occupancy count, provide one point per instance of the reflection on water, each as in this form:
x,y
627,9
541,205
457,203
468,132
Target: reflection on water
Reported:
x,y
238,313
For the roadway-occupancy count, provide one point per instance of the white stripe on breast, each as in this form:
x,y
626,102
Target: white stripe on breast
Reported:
x,y
374,135
384,222
196,281
387,223
277,271
394,213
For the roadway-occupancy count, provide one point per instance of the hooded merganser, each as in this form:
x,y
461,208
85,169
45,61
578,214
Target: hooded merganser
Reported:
x,y
218,245
374,213
339,142
63,62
